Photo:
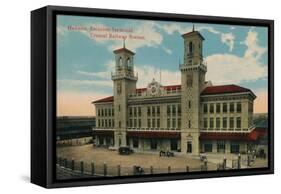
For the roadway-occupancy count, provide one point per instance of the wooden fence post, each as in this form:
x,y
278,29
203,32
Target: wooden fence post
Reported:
x,y
93,168
151,169
239,162
72,164
169,169
82,167
104,169
224,163
119,170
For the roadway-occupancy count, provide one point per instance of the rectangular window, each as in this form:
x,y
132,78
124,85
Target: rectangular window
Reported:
x,y
205,123
189,124
174,122
174,110
130,111
231,107
231,122
153,123
168,123
119,124
189,104
158,110
218,108
135,111
131,122
119,108
135,142
211,123
105,112
221,146
238,107
139,122
98,112
153,111
139,111
205,108
109,122
148,123
211,108
158,123
112,123
168,110
112,112
135,122
179,123
224,122
98,123
109,112
102,112
238,122
224,107
148,111
218,123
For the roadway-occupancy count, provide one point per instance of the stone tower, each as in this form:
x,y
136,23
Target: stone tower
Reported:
x,y
124,83
192,82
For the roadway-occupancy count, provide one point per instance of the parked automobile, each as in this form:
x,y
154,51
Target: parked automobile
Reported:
x,y
125,150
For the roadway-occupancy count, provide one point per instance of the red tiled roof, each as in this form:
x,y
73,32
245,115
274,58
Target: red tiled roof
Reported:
x,y
138,90
107,99
252,136
211,90
193,32
123,50
172,87
224,89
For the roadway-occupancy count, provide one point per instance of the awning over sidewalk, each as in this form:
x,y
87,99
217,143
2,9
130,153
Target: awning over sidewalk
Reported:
x,y
252,136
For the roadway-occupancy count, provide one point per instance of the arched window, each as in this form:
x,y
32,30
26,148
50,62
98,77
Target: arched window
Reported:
x,y
128,62
190,46
120,61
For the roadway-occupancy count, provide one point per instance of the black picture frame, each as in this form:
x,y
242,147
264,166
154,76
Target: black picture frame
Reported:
x,y
43,95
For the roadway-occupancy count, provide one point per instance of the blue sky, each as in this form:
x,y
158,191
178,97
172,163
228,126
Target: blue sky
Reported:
x,y
234,54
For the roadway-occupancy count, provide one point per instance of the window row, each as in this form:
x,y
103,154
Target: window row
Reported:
x,y
225,123
153,111
174,109
222,107
105,123
105,112
134,111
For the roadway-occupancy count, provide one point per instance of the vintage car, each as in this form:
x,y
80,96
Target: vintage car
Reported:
x,y
125,150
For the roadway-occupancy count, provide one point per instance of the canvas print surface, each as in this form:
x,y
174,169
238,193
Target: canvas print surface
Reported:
x,y
141,97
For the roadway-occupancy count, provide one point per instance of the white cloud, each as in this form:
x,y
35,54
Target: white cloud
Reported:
x,y
232,69
102,74
254,50
167,50
228,39
152,38
147,72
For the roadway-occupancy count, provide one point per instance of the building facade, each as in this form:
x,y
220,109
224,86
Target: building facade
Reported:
x,y
191,117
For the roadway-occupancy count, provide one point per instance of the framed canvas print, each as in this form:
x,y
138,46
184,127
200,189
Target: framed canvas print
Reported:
x,y
125,96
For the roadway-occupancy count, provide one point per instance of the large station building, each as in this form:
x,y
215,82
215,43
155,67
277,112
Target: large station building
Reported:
x,y
192,117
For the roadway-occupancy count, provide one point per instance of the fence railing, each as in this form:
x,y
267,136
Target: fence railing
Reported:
x,y
98,169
